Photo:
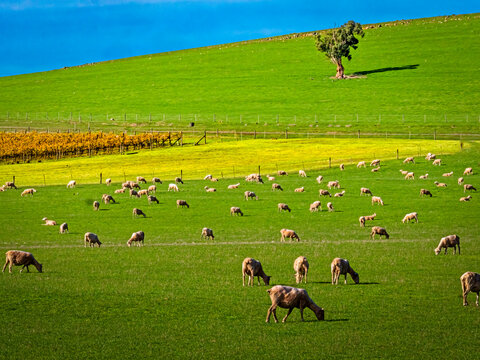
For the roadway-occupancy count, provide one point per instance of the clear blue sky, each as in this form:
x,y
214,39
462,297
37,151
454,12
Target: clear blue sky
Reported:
x,y
39,35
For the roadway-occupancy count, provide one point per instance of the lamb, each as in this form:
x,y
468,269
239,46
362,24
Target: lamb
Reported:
x,y
276,186
71,184
283,207
302,173
468,171
234,210
324,193
286,233
365,191
172,187
182,203
63,228
375,162
447,174
342,267
152,198
330,206
425,192
250,194
333,184
423,177
375,169
137,237
363,219
28,192
10,185
342,167
448,241
107,199
134,192
360,164
92,239
315,205
209,189
178,180
300,189
465,198
96,205
460,181
288,297
252,268
108,181
439,184
410,176
470,283
437,162
141,179
49,222
156,180
319,179
234,186
410,216
409,160
207,234
301,269
468,187
430,157
152,188
377,200
137,212
207,177
340,194
17,258
282,173
120,191
380,231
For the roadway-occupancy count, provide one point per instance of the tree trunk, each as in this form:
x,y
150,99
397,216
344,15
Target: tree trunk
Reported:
x,y
340,69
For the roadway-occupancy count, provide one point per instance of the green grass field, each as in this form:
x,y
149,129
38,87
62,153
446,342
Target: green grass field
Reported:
x,y
182,297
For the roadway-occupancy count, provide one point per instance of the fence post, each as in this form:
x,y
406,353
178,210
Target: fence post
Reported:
x,y
435,134
100,178
286,134
44,181
397,154
258,169
181,174
359,134
329,162
205,135
254,134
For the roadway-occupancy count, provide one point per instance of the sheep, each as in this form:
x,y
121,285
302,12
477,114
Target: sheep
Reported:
x,y
409,160
214,179
92,239
49,222
410,176
423,177
152,188
365,191
152,198
254,177
448,241
341,266
447,174
288,297
141,179
460,181
207,177
134,185
375,162
63,228
404,172
96,205
430,157
380,231
465,198
108,182
377,200
365,218
410,216
286,233
207,233
301,269
138,237
468,171
126,185
252,268
17,258
155,180
439,184
315,205
319,179
250,194
234,210
333,184
283,207
142,192
300,189
342,167
276,186
330,207
178,180
470,283
28,192
182,203
234,186
10,185
172,187
107,199
2,188
324,193
120,191
134,192
437,162
468,187
137,212
282,173
425,192
209,189
302,173
375,169
270,178
360,164
71,184
340,194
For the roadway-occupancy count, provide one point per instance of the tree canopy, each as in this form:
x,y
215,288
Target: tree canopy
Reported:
x,y
336,44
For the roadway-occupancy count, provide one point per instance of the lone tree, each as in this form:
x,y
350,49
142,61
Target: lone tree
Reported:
x,y
336,44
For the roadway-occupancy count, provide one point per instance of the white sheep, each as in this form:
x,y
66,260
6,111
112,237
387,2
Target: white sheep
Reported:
x,y
234,210
468,171
96,205
330,207
208,177
141,179
152,188
108,181
375,169
250,194
234,186
439,184
460,181
9,185
315,206
470,283
333,184
286,233
270,178
182,203
365,191
63,228
254,178
404,172
209,189
365,218
49,222
341,266
319,179
380,231
410,216
410,176
468,187
375,162
447,174
252,268
301,269
300,189
377,200
437,162
409,160
448,241
283,207
137,237
28,192
342,167
71,184
143,192
423,177
276,186
302,173
340,194
18,258
466,198
207,234
324,193
425,192
360,164
120,191
92,239
430,156
172,187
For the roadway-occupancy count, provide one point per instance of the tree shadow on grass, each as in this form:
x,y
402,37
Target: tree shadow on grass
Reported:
x,y
396,68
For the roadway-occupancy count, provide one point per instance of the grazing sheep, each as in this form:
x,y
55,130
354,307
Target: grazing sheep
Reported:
x,y
142,192
465,198
365,218
63,228
423,177
437,162
234,186
71,184
342,167
10,185
207,234
107,199
447,174
324,193
448,241
182,203
108,181
28,192
360,164
282,173
152,198
96,205
120,191
404,172
134,192
377,200
283,207
410,176
468,171
178,180
252,268
410,216
137,237
375,169
409,160
319,179
92,239
315,205
288,297
460,181
2,188
137,212
17,258
333,184
425,192
286,233
254,177
300,189
302,173
152,188
468,187
214,179
250,194
340,194
270,178
365,191
330,206
141,179
380,231
172,187
341,266
430,157
209,189
49,222
134,185
234,210
127,185
207,177
301,269
276,186
155,180
470,283
375,162
439,184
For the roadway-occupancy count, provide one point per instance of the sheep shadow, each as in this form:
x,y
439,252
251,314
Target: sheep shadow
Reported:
x,y
368,283
336,320
104,209
395,68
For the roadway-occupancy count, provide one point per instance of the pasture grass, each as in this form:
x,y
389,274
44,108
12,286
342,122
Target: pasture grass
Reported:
x,y
181,297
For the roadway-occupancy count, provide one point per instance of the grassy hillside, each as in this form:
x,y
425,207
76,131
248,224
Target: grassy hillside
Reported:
x,y
413,74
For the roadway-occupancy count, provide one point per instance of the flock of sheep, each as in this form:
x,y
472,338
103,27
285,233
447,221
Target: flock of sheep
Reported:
x,y
281,296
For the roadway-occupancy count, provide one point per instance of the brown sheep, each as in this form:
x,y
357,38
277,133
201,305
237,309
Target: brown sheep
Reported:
x,y
301,269
324,193
439,184
315,205
207,234
182,203
465,198
137,212
141,179
92,239
380,231
410,216
283,207
134,192
377,200
333,184
468,171
468,187
152,198
365,191
409,160
448,241
137,237
286,233
276,186
300,189
470,283
10,185
28,192
96,205
340,194
282,173
107,199
319,179
252,268
156,180
234,210
425,192
363,219
178,180
63,228
17,258
342,267
250,194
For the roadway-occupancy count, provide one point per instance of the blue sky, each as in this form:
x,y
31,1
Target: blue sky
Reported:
x,y
40,35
